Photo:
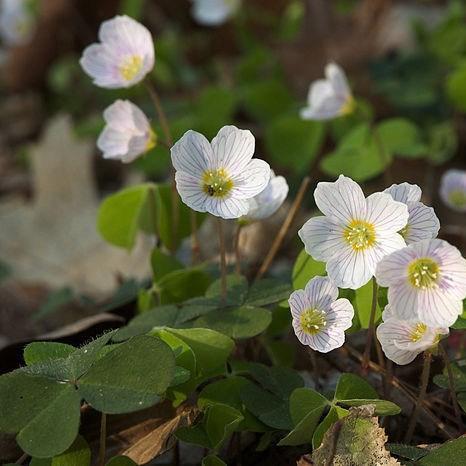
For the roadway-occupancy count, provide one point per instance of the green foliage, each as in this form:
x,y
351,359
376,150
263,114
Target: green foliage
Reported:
x,y
452,452
39,351
305,268
459,378
456,87
294,143
78,454
55,301
121,461
212,460
363,304
443,142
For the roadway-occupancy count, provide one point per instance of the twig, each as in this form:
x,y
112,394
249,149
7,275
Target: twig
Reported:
x,y
451,384
103,439
239,227
315,367
223,262
422,393
284,228
22,459
371,330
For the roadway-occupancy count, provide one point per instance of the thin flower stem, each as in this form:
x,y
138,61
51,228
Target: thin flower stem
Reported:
x,y
284,228
22,459
103,439
384,156
223,262
371,330
451,384
195,245
160,113
315,368
237,251
422,393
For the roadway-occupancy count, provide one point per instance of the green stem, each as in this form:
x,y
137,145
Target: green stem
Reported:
x,y
103,439
223,262
239,227
371,330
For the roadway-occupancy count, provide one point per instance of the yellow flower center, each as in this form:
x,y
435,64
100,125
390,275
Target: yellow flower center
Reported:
x,y
457,198
348,107
312,321
130,67
151,140
423,273
418,332
359,235
216,183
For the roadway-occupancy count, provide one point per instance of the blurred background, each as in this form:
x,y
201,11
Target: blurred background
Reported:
x,y
406,63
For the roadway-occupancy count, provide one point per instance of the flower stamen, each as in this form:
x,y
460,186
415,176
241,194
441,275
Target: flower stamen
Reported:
x,y
418,332
312,321
131,67
359,235
423,273
216,183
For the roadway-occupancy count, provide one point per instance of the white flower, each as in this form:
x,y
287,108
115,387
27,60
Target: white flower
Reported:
x,y
426,281
329,98
219,177
214,12
422,221
402,340
16,22
355,234
319,318
124,56
127,134
453,189
267,202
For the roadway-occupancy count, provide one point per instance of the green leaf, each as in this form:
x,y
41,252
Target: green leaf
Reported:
x,y
243,322
132,8
452,452
212,460
237,289
129,378
121,461
333,416
79,454
358,156
459,378
363,304
351,386
162,264
294,143
306,268
267,291
41,351
121,215
401,137
456,87
43,412
443,142
382,407
406,451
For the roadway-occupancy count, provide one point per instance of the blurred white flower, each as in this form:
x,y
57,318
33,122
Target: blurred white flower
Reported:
x,y
329,98
127,133
16,22
422,221
219,177
124,55
426,281
355,233
319,318
214,12
267,202
402,340
453,189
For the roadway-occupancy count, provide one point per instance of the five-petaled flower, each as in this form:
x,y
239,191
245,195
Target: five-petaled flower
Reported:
x,y
124,55
422,221
355,233
267,202
453,189
319,318
426,281
127,133
402,340
214,12
329,98
219,177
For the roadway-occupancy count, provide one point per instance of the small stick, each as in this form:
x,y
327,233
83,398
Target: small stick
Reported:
x,y
223,262
451,384
371,330
237,251
284,228
103,439
22,459
315,367
422,393
159,109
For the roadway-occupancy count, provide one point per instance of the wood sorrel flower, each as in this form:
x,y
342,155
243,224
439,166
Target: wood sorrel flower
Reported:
x,y
16,22
214,12
319,318
219,177
422,221
355,233
453,189
402,340
127,133
329,98
267,202
426,281
124,55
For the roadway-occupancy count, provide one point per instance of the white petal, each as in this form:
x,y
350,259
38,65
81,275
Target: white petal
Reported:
x,y
342,199
350,269
267,202
386,214
392,269
321,292
226,208
252,181
404,301
190,191
438,309
405,192
192,154
214,12
395,330
101,64
322,237
453,181
452,268
327,340
337,78
137,146
422,223
233,149
113,143
341,314
298,302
